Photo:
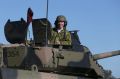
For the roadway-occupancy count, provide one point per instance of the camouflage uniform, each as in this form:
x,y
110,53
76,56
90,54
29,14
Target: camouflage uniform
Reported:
x,y
59,38
63,37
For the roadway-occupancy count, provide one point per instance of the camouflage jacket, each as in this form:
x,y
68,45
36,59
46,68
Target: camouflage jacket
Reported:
x,y
59,38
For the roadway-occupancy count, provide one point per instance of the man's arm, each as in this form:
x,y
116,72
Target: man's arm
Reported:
x,y
66,41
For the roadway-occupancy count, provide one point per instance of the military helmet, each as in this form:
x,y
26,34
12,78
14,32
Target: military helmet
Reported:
x,y
60,18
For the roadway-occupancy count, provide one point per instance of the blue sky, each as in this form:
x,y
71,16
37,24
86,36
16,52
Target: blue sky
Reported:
x,y
97,20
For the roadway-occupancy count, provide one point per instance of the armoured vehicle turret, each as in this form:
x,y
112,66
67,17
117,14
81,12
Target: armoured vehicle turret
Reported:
x,y
37,59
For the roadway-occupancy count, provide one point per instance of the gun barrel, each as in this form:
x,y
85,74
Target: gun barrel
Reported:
x,y
106,55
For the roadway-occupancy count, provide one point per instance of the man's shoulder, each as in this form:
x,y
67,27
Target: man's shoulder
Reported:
x,y
67,31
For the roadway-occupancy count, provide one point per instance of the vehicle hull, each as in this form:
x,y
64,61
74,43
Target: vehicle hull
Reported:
x,y
7,73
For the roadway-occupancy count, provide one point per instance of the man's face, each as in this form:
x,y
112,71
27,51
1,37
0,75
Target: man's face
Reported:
x,y
61,24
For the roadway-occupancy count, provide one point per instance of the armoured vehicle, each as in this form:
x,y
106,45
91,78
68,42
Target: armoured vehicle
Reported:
x,y
37,59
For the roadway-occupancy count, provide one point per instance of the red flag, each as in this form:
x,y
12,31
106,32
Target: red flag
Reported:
x,y
29,15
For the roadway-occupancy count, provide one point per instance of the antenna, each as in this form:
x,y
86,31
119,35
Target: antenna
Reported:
x,y
47,9
47,22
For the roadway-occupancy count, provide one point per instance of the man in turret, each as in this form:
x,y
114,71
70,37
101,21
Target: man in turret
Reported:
x,y
60,36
